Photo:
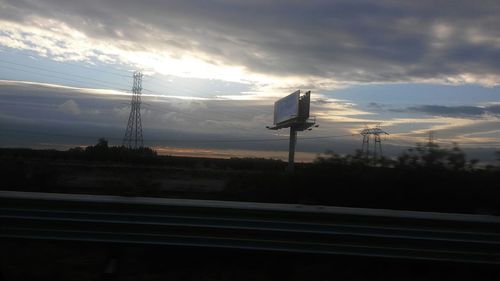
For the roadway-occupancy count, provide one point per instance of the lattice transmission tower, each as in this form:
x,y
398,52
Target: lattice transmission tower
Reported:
x,y
377,142
133,133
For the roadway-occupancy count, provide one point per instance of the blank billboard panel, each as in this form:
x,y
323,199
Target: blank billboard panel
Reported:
x,y
286,108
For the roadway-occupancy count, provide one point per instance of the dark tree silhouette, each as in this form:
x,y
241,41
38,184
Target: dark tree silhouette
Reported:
x,y
431,156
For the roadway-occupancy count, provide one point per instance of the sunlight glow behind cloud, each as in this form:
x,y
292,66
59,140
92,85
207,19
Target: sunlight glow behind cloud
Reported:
x,y
222,64
278,54
55,39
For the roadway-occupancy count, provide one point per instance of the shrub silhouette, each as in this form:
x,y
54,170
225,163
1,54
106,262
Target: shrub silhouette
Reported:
x,y
431,156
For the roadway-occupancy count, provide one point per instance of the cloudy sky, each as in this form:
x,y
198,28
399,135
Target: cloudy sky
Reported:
x,y
214,68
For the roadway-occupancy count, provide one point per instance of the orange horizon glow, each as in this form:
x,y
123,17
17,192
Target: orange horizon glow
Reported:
x,y
233,153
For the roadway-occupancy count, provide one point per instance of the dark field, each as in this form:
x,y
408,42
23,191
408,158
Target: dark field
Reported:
x,y
329,181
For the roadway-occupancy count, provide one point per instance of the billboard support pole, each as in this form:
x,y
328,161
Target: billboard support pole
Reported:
x,y
292,112
291,149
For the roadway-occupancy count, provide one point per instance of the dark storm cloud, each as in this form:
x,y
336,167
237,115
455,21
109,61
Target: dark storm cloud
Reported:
x,y
453,111
359,41
374,105
34,113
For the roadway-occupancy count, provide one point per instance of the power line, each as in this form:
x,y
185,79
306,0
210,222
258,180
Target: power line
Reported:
x,y
170,89
46,75
175,140
101,70
160,83
221,114
72,64
79,77
73,80
59,77
192,140
327,137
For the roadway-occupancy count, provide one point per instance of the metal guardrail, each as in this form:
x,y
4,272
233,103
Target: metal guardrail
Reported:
x,y
255,226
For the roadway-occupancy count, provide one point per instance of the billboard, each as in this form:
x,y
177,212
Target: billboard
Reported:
x,y
287,108
304,106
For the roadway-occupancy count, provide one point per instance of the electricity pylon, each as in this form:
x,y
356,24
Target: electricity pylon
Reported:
x,y
377,144
133,133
